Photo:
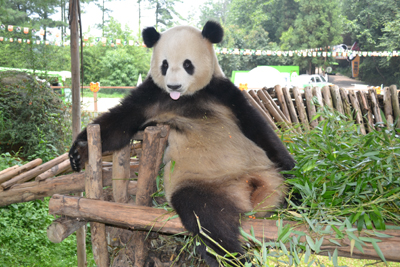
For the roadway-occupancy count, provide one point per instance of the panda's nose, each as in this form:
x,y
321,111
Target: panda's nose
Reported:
x,y
174,86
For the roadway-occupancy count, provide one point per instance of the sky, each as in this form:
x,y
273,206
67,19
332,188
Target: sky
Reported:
x,y
126,13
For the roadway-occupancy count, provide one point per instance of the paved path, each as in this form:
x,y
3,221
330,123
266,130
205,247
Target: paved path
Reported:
x,y
346,82
103,104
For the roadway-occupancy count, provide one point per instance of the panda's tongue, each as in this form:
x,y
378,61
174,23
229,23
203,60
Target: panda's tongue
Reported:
x,y
175,95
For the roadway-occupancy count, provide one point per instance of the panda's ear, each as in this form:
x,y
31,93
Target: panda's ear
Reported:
x,y
213,32
150,36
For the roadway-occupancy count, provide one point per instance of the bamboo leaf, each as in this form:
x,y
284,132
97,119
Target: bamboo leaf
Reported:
x,y
378,251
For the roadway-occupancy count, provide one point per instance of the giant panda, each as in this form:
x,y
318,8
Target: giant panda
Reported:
x,y
226,157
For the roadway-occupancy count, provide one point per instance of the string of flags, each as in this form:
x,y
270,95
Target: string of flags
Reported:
x,y
91,41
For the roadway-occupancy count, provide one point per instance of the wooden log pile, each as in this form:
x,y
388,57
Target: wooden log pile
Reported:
x,y
295,109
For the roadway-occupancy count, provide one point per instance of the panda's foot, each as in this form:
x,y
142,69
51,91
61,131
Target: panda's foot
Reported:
x,y
78,155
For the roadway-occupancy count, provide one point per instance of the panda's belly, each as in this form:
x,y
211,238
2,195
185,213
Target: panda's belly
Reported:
x,y
209,150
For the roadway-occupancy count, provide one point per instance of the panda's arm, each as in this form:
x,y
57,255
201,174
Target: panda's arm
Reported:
x,y
252,124
118,125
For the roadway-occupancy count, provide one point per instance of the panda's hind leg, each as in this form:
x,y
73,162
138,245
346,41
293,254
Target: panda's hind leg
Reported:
x,y
218,217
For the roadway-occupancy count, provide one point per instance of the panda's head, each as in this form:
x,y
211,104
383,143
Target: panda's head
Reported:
x,y
184,59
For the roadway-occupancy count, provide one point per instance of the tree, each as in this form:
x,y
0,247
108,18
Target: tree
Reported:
x,y
318,25
164,13
375,26
214,10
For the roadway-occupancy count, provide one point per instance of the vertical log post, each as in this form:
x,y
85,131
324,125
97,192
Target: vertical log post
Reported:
x,y
310,106
357,110
94,190
375,107
74,10
154,142
282,102
120,174
395,104
301,109
317,93
387,105
260,109
273,108
292,110
366,110
337,100
327,96
345,100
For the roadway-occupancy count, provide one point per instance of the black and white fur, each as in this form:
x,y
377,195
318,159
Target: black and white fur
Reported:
x,y
226,157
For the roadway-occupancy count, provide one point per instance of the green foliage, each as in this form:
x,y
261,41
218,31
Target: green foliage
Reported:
x,y
7,160
24,242
341,173
33,118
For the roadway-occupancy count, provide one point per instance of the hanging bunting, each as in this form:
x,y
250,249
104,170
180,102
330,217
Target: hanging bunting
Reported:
x,y
26,30
10,28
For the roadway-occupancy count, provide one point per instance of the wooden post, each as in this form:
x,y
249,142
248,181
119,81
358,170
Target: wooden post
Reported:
x,y
94,190
121,174
346,104
260,109
375,107
282,102
337,100
357,111
301,109
387,105
292,110
95,101
273,109
261,104
366,110
74,11
148,170
327,96
310,106
395,104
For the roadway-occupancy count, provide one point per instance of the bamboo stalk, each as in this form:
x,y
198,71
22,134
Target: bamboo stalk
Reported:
x,y
318,94
94,190
260,103
14,172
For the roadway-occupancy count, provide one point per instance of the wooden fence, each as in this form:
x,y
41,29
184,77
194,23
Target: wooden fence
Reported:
x,y
285,108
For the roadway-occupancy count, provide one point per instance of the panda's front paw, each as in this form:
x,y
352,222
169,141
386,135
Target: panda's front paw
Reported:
x,y
78,155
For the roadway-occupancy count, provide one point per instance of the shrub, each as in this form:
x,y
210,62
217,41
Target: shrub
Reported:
x,y
33,119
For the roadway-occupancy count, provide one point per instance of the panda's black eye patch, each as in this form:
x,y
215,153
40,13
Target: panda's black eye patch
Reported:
x,y
188,66
164,67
